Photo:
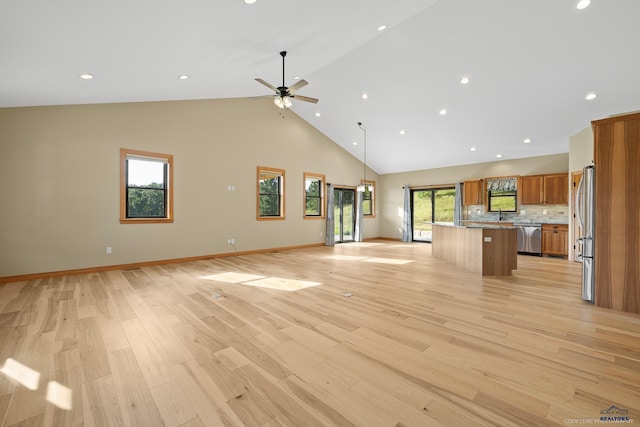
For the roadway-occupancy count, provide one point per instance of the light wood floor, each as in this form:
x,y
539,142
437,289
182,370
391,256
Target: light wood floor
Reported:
x,y
418,343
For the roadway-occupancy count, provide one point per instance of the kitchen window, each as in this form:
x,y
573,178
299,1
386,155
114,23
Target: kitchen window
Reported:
x,y
502,194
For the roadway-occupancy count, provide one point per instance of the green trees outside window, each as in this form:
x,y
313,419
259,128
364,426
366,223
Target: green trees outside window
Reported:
x,y
314,196
270,193
146,187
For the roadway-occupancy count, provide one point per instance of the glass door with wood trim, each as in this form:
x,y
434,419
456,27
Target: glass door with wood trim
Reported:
x,y
344,213
431,206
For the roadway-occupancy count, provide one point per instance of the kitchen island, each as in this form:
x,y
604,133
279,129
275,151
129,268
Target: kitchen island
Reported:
x,y
486,249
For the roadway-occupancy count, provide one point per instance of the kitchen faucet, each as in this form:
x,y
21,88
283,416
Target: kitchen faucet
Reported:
x,y
500,218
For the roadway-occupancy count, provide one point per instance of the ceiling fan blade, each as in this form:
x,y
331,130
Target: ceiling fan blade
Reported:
x,y
305,98
269,85
297,85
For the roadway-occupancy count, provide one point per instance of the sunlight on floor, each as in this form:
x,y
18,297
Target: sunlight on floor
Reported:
x,y
389,261
278,283
21,374
282,284
366,259
57,394
346,257
231,277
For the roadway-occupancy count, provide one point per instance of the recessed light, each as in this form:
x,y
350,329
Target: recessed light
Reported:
x,y
86,76
249,1
583,4
317,114
464,80
402,132
443,112
296,77
382,27
499,156
365,96
354,143
183,77
472,149
527,141
590,96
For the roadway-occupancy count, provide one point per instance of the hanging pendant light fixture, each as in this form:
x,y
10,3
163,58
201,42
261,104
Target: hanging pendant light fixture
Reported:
x,y
364,184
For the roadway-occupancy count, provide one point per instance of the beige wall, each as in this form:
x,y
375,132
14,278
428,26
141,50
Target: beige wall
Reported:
x,y
581,150
391,193
60,169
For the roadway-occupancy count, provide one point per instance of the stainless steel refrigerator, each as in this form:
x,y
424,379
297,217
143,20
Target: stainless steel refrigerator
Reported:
x,y
586,212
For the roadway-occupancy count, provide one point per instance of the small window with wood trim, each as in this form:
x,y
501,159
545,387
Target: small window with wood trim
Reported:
x,y
314,200
270,193
368,198
146,187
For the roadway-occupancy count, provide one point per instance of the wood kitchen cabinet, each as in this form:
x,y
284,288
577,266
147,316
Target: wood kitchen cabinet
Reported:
x,y
531,190
473,192
617,217
555,189
555,239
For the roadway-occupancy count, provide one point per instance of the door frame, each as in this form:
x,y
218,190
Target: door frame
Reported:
x,y
339,218
574,228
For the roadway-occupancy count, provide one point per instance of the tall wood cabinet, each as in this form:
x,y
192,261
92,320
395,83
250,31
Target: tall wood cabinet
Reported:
x,y
617,194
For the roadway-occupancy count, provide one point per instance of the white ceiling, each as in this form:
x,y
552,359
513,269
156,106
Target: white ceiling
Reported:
x,y
531,63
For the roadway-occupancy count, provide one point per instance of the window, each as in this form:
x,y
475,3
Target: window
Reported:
x,y
502,194
314,190
270,204
368,198
504,201
146,187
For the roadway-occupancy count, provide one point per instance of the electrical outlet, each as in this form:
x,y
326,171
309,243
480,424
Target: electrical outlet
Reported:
x,y
231,241
109,249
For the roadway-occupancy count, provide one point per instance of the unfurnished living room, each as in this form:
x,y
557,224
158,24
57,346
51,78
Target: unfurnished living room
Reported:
x,y
284,213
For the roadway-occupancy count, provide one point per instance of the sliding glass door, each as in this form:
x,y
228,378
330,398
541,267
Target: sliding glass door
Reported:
x,y
431,206
344,213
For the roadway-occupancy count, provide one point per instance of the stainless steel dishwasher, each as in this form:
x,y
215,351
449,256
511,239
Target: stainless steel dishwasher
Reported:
x,y
529,238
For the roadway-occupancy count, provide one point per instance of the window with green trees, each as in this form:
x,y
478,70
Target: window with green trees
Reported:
x,y
368,198
146,187
270,191
314,196
431,206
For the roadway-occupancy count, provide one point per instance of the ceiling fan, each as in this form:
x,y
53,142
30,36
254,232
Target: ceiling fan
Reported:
x,y
285,94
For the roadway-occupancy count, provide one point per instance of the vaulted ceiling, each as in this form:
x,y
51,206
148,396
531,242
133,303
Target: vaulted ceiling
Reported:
x,y
530,66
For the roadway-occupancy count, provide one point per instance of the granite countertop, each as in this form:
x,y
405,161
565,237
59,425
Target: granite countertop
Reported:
x,y
492,226
488,222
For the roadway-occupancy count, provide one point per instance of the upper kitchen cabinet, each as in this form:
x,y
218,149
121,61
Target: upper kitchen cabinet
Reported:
x,y
473,192
531,190
556,189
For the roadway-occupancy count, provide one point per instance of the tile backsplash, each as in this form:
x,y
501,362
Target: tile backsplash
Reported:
x,y
547,214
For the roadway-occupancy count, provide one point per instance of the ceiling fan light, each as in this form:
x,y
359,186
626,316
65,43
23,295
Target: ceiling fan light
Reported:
x,y
282,101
